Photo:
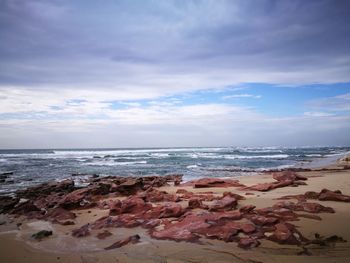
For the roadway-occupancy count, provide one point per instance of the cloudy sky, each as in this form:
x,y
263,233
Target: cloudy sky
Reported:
x,y
174,73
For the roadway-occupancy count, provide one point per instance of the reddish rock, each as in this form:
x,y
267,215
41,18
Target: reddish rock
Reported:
x,y
25,208
164,211
261,187
76,199
247,228
132,239
227,215
226,203
286,234
288,175
262,220
313,208
213,182
203,196
59,215
82,231
182,230
247,208
236,196
248,242
311,195
196,203
328,195
104,234
225,231
182,191
132,204
324,195
154,195
304,206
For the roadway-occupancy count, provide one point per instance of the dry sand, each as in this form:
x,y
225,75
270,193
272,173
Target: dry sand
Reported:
x,y
16,244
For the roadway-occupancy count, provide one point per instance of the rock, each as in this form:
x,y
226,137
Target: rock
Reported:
x,y
324,195
286,233
248,242
304,206
226,203
247,228
59,215
182,230
129,187
313,208
41,234
262,220
196,203
132,239
154,195
25,208
104,234
82,231
328,195
247,208
236,196
46,189
165,211
132,204
207,196
65,223
7,203
215,182
218,225
76,199
288,175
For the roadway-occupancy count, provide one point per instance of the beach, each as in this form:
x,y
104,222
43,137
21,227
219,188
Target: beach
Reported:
x,y
314,234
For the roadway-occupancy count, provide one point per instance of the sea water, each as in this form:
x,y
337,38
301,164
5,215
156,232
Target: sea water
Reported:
x,y
31,167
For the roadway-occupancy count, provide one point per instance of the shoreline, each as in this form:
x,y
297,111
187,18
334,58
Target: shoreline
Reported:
x,y
18,246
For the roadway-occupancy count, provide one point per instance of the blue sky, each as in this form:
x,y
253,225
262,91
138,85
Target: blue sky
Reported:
x,y
174,73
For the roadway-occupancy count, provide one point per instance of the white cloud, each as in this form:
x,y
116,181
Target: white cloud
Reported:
x,y
336,103
235,96
317,114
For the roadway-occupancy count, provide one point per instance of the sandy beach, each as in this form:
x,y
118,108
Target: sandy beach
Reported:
x,y
18,245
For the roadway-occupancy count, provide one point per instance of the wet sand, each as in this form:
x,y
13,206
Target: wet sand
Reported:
x,y
16,244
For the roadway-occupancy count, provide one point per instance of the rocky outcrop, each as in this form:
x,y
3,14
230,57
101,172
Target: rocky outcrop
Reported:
x,y
213,182
283,179
324,195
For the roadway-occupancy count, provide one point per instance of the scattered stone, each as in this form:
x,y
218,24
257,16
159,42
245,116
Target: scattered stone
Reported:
x,y
104,234
248,242
41,234
82,231
132,239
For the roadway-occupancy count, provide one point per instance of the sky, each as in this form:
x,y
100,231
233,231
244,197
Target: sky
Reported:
x,y
149,73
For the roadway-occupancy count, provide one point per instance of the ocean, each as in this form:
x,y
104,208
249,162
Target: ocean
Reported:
x,y
31,167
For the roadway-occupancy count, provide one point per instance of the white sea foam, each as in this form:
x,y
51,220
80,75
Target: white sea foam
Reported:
x,y
112,163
